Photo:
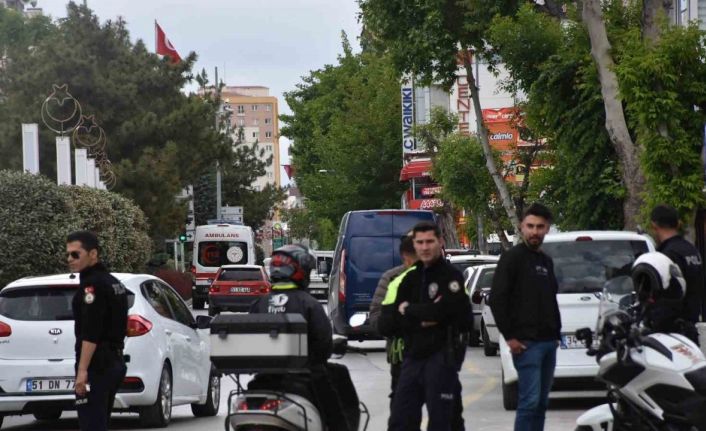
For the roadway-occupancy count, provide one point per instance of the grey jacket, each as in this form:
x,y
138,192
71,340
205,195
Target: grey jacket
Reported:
x,y
380,292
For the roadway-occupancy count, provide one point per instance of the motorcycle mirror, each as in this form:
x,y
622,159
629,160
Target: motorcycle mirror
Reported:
x,y
357,320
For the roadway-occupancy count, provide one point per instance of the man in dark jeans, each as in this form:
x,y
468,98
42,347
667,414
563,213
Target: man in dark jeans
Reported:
x,y
523,302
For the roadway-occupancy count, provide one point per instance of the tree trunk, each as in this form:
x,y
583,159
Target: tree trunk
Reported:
x,y
482,244
615,123
500,184
448,227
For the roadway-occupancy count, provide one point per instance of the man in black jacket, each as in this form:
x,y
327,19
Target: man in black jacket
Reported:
x,y
431,309
665,225
100,324
523,302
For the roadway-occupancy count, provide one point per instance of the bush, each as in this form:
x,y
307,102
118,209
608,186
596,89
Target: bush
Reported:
x,y
37,215
180,281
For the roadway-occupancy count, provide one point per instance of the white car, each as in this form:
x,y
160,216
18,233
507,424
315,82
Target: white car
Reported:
x,y
168,358
583,261
464,262
478,284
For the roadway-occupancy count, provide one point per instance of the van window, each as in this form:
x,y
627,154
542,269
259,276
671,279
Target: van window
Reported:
x,y
371,254
584,266
218,253
240,274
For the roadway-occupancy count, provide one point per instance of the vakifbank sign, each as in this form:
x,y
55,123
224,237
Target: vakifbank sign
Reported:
x,y
409,144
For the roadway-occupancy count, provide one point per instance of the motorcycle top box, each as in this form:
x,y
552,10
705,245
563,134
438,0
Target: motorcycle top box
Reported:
x,y
250,343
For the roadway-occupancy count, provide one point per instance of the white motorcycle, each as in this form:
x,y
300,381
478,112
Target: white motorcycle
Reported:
x,y
656,381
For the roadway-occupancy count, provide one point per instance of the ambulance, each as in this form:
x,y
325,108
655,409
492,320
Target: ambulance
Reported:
x,y
215,245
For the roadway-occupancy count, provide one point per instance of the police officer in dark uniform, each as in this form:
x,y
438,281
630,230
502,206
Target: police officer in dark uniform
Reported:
x,y
100,315
290,269
665,225
431,309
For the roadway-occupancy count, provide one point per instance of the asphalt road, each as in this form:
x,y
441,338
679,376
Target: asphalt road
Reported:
x,y
482,399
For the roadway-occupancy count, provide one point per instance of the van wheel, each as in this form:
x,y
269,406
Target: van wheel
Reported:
x,y
488,348
214,398
46,415
509,394
159,414
198,303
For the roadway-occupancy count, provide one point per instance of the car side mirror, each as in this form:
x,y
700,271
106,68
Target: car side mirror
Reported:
x,y
203,322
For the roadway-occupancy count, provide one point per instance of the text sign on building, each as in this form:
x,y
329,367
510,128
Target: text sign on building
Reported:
x,y
409,143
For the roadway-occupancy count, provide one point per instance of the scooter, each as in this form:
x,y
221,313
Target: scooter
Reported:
x,y
655,381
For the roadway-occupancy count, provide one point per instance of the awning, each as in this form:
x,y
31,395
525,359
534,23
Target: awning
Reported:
x,y
416,169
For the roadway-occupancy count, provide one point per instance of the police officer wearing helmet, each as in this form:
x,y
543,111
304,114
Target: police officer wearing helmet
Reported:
x,y
100,314
665,225
290,269
660,287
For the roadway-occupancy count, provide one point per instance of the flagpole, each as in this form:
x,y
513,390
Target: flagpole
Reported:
x,y
155,35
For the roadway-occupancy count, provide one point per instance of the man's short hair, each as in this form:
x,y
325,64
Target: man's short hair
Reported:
x,y
426,226
407,246
538,210
88,240
665,216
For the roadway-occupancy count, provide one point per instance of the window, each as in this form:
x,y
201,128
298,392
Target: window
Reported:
x,y
485,280
181,312
215,253
255,122
255,134
241,109
268,108
254,107
268,148
268,134
241,122
270,175
268,120
155,296
241,274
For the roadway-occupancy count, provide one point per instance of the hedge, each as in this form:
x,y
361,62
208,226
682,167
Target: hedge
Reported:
x,y
36,215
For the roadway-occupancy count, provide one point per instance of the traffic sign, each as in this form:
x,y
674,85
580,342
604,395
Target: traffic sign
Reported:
x,y
189,236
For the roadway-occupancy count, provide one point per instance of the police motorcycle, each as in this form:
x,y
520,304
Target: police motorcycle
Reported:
x,y
656,381
280,397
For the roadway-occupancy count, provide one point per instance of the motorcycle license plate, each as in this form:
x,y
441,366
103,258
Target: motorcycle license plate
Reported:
x,y
569,341
59,384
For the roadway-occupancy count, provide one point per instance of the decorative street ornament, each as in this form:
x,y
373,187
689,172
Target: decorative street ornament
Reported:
x,y
88,134
61,112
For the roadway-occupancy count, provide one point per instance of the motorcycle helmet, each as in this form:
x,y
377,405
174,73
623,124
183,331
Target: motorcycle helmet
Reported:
x,y
292,263
657,278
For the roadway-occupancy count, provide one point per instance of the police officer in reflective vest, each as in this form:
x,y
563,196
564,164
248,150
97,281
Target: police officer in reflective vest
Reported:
x,y
100,315
431,309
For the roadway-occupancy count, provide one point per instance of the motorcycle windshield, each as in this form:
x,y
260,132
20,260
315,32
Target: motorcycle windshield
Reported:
x,y
617,294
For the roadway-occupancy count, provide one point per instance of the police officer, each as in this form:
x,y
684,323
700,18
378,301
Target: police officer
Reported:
x,y
290,269
100,325
665,225
430,308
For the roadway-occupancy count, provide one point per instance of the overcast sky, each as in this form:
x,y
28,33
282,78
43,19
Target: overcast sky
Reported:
x,y
252,42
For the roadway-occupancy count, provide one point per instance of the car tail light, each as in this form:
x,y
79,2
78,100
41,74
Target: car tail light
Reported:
x,y
132,384
5,330
584,238
265,289
477,297
137,325
212,289
272,405
342,278
242,405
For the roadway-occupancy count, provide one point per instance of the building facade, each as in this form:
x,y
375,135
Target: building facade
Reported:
x,y
257,113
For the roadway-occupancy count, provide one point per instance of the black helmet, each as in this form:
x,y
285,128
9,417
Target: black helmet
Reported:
x,y
657,278
292,263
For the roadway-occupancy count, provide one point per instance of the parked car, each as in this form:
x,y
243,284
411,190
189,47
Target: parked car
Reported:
x,y
583,261
236,287
167,355
477,286
464,261
368,245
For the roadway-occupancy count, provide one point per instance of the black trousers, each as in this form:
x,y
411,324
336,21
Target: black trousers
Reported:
x,y
94,413
432,381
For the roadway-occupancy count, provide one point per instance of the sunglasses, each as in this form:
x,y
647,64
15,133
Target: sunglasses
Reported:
x,y
73,255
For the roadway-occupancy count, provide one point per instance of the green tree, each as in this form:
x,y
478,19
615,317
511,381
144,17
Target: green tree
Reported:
x,y
346,139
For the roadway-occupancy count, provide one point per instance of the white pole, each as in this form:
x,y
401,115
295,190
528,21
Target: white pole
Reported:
x,y
81,156
97,177
176,258
63,160
183,258
30,148
90,173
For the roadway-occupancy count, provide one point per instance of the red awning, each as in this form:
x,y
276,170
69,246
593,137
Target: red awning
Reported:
x,y
416,169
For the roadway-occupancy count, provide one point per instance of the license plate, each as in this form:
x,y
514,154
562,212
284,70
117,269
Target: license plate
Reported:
x,y
569,341
60,384
239,290
318,292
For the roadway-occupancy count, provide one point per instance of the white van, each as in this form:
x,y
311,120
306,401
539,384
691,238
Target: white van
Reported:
x,y
216,245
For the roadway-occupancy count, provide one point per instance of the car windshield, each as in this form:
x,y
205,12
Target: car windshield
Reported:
x,y
240,274
486,279
584,266
40,303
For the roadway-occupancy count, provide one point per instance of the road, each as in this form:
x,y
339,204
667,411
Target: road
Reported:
x,y
482,399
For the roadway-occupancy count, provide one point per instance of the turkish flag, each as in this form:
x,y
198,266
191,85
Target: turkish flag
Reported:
x,y
164,46
289,169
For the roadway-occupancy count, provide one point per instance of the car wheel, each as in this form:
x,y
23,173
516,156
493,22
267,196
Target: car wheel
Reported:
x,y
159,414
213,400
509,394
489,349
47,415
198,303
